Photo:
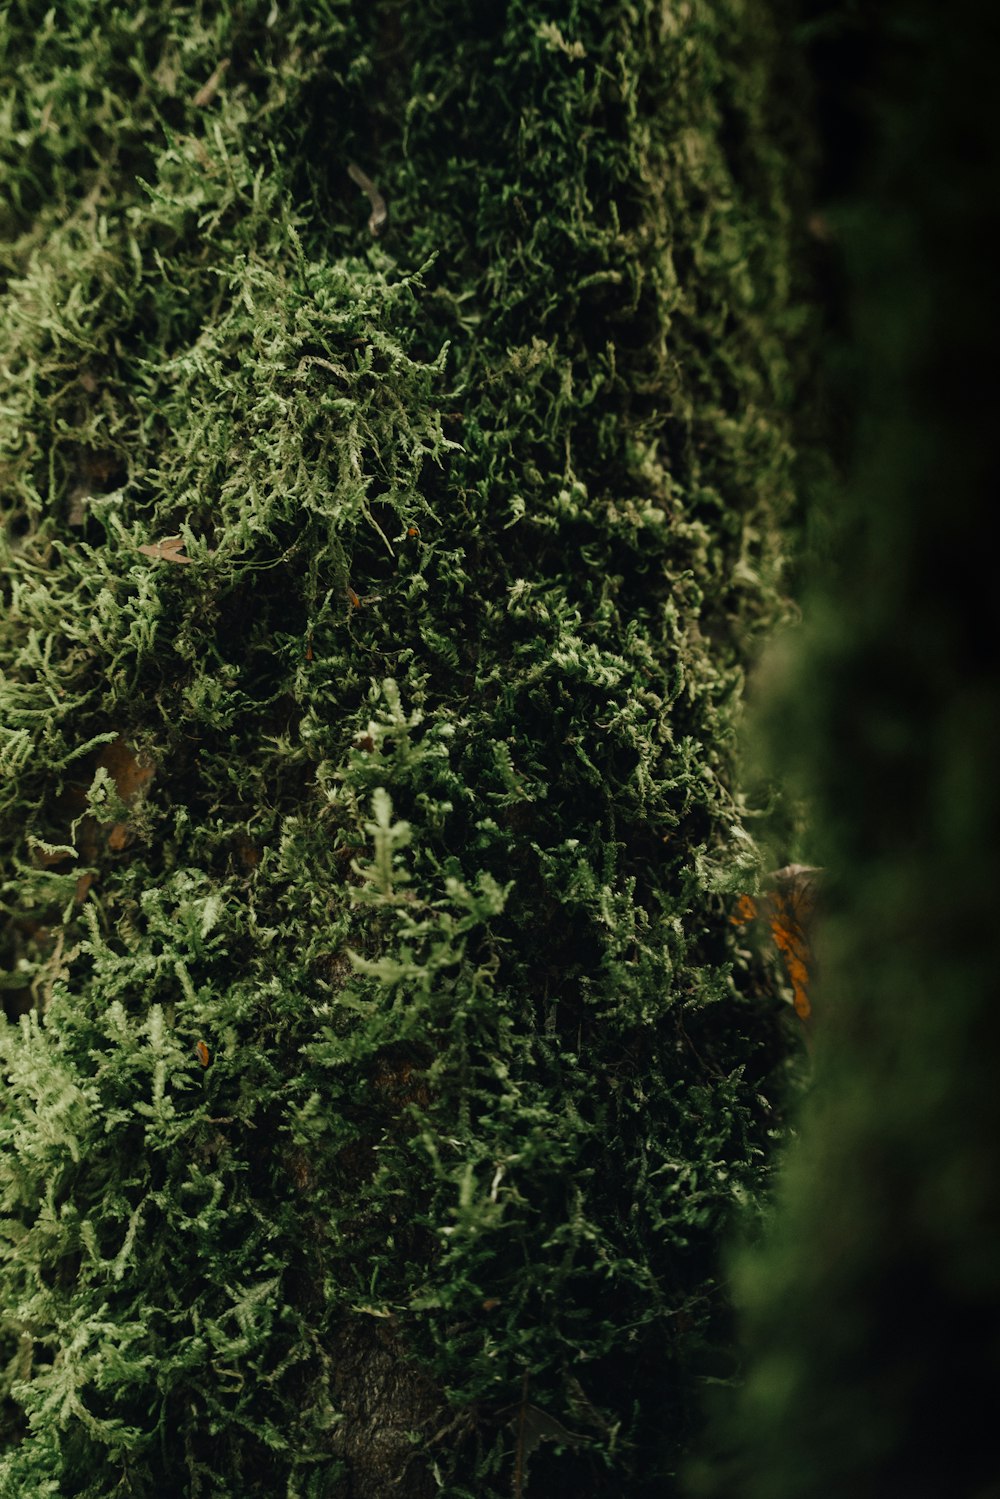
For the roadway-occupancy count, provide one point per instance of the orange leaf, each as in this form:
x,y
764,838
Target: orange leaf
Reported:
x,y
746,910
788,909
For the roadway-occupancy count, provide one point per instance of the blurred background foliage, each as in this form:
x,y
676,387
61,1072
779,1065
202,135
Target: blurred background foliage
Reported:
x,y
871,1315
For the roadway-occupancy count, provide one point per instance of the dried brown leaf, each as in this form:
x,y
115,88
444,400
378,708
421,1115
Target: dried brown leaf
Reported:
x,y
170,549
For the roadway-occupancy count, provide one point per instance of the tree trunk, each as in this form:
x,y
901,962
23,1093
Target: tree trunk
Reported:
x,y
397,447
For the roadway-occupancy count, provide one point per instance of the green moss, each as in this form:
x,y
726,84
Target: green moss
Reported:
x,y
376,620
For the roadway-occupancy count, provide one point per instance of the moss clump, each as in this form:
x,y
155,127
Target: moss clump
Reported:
x,y
375,620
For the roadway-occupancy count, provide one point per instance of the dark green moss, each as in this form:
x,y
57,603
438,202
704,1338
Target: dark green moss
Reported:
x,y
376,620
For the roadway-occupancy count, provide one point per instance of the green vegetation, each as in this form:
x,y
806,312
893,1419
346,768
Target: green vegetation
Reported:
x,y
382,1069
872,1325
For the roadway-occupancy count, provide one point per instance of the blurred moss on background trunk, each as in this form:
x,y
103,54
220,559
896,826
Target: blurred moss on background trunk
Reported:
x,y
382,1068
872,1315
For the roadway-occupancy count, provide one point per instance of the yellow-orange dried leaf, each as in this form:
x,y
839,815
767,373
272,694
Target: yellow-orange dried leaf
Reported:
x,y
792,943
746,910
788,909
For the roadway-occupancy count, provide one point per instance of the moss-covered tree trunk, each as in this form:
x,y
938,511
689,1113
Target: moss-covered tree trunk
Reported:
x,y
382,1067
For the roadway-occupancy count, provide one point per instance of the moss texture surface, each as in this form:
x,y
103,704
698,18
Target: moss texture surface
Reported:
x,y
381,1067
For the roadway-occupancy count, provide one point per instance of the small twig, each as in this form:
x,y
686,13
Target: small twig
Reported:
x,y
379,216
519,1454
356,600
208,90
